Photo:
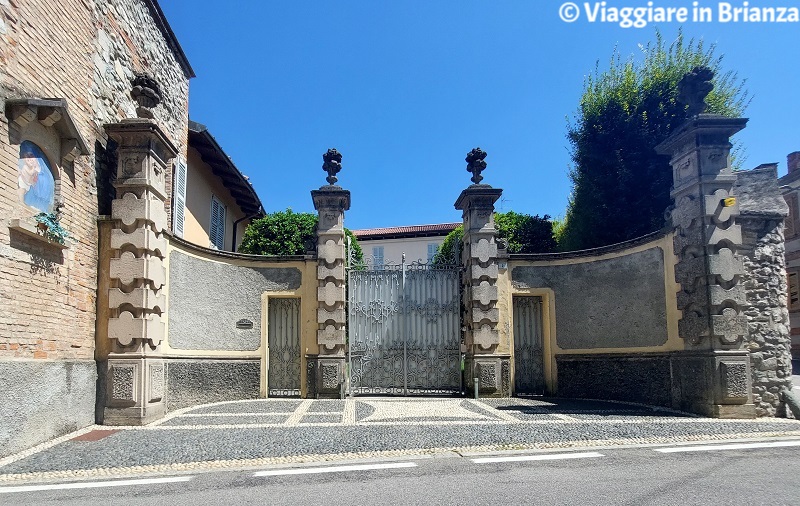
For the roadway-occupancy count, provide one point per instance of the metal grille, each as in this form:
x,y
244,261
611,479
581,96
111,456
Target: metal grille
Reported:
x,y
283,341
404,328
528,350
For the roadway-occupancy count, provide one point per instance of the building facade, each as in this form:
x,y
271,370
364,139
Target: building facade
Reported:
x,y
78,77
419,243
790,187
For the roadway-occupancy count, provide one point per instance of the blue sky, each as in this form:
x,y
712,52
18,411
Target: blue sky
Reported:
x,y
404,89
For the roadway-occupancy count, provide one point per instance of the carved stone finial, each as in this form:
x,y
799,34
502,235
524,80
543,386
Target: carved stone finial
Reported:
x,y
147,94
693,89
332,165
476,164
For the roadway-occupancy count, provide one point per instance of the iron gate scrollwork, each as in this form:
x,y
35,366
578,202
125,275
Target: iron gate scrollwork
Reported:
x,y
528,346
283,342
404,327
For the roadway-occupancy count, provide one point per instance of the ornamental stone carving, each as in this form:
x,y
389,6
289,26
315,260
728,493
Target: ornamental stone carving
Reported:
x,y
707,234
330,202
693,88
707,243
481,252
136,268
332,164
123,383
147,93
476,164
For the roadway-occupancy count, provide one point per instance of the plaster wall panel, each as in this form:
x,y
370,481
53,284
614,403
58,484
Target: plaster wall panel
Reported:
x,y
610,303
207,298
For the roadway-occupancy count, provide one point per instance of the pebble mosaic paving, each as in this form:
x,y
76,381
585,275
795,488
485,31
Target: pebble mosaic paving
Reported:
x,y
268,431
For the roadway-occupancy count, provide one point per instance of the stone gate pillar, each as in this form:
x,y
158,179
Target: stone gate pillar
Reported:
x,y
325,372
480,259
134,372
712,376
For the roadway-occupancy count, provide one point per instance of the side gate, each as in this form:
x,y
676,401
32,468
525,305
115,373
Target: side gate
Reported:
x,y
404,328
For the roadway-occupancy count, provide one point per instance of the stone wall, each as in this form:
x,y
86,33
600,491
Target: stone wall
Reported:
x,y
85,53
769,342
644,378
192,382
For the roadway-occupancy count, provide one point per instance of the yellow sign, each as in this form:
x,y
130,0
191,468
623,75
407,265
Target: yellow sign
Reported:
x,y
729,202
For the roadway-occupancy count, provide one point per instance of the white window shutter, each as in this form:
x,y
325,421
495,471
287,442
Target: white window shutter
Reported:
x,y
179,196
217,226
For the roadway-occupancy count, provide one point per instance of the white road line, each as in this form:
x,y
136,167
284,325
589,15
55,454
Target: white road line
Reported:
x,y
93,484
735,446
525,458
335,469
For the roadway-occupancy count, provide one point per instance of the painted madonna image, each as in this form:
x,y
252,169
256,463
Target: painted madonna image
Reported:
x,y
36,184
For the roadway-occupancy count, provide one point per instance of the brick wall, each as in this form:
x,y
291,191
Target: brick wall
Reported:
x,y
85,52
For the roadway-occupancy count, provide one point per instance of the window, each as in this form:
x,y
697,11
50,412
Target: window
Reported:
x,y
377,256
217,227
794,290
432,249
179,197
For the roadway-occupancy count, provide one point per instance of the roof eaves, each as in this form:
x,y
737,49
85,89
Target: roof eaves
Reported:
x,y
198,133
169,36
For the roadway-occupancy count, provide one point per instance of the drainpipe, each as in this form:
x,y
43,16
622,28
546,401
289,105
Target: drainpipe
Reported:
x,y
235,223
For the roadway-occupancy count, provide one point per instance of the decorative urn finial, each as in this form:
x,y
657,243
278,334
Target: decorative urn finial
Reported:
x,y
693,89
147,94
476,164
332,165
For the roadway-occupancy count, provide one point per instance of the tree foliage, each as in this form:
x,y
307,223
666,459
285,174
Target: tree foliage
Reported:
x,y
445,253
522,233
525,233
620,185
286,233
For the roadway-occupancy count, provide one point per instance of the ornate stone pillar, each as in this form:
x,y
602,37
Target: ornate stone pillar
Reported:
x,y
326,371
480,259
134,372
713,376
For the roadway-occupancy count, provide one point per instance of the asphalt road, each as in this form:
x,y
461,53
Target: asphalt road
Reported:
x,y
619,476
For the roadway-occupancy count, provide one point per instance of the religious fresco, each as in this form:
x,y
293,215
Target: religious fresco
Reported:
x,y
36,183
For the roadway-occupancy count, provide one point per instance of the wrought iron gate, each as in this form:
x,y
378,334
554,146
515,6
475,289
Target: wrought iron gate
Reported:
x,y
283,342
404,331
528,347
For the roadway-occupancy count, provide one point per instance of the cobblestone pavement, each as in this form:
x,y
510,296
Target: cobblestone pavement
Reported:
x,y
272,431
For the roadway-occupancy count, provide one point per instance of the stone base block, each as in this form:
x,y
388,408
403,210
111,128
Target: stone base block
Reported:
x,y
709,383
493,374
139,415
730,411
134,390
713,383
325,377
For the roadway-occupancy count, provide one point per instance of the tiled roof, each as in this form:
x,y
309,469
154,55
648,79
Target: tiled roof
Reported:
x,y
409,231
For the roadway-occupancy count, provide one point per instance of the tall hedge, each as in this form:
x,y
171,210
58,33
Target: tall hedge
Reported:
x,y
286,233
620,185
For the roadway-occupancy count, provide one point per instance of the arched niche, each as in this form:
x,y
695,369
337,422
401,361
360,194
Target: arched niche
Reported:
x,y
46,122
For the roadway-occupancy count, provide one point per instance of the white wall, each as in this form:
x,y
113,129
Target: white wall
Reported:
x,y
415,248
